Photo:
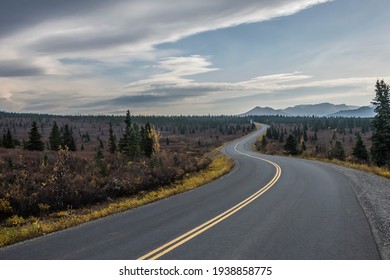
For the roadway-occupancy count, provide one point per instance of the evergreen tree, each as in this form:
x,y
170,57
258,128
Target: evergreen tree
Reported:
x,y
143,139
291,145
68,140
380,149
338,151
34,142
134,146
55,138
360,151
100,161
129,144
111,140
124,140
8,141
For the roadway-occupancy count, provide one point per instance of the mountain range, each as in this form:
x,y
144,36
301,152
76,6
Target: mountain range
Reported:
x,y
320,110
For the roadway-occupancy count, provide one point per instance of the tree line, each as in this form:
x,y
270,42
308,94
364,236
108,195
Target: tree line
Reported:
x,y
63,135
295,140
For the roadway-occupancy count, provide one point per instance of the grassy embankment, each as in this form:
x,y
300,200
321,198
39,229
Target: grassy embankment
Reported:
x,y
35,227
381,171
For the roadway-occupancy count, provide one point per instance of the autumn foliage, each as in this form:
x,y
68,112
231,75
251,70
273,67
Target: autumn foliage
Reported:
x,y
37,183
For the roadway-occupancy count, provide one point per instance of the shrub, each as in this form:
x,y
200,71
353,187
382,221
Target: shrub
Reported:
x,y
15,221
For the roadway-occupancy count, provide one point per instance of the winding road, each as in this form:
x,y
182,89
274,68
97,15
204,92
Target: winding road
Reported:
x,y
268,207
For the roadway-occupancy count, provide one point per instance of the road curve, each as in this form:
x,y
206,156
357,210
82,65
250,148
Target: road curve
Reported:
x,y
268,207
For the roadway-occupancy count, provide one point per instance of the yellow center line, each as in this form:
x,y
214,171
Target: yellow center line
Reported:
x,y
164,249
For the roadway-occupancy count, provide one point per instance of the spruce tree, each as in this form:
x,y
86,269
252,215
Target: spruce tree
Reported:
x,y
129,144
380,149
111,140
34,142
338,151
68,140
8,141
124,140
359,151
291,145
55,138
134,148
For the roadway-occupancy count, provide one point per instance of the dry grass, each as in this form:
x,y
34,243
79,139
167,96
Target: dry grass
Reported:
x,y
34,227
381,171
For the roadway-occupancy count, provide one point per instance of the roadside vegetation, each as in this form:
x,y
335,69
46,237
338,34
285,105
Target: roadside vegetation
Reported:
x,y
360,143
57,172
17,228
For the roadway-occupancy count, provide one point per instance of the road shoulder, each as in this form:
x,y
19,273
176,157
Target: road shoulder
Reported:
x,y
373,194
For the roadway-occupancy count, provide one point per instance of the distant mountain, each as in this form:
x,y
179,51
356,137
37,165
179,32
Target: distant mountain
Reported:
x,y
362,112
264,111
320,110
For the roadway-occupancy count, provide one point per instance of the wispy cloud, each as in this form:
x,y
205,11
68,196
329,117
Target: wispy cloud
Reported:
x,y
104,56
19,68
103,30
173,87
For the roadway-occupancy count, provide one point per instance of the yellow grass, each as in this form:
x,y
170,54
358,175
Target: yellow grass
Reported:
x,y
382,171
219,166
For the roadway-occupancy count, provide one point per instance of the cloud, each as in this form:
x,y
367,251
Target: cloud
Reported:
x,y
176,70
173,71
99,28
173,87
16,15
19,68
71,45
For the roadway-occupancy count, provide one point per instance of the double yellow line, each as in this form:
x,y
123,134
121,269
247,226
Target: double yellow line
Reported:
x,y
157,253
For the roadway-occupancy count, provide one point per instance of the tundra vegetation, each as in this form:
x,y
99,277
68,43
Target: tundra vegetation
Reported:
x,y
50,166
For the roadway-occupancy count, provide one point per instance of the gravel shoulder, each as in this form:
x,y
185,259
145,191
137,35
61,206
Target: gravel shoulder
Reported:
x,y
373,193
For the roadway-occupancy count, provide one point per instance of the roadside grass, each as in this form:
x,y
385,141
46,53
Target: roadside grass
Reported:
x,y
381,171
34,226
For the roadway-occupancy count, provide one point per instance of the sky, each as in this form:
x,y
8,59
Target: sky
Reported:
x,y
185,57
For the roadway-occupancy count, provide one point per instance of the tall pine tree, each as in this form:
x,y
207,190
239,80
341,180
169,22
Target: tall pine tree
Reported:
x,y
359,151
55,138
338,151
8,141
129,144
68,140
34,142
291,146
380,149
111,140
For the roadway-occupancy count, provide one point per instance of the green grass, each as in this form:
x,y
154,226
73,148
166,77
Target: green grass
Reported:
x,y
34,227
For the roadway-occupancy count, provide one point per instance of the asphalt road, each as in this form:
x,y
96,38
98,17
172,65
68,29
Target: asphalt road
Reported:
x,y
267,208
